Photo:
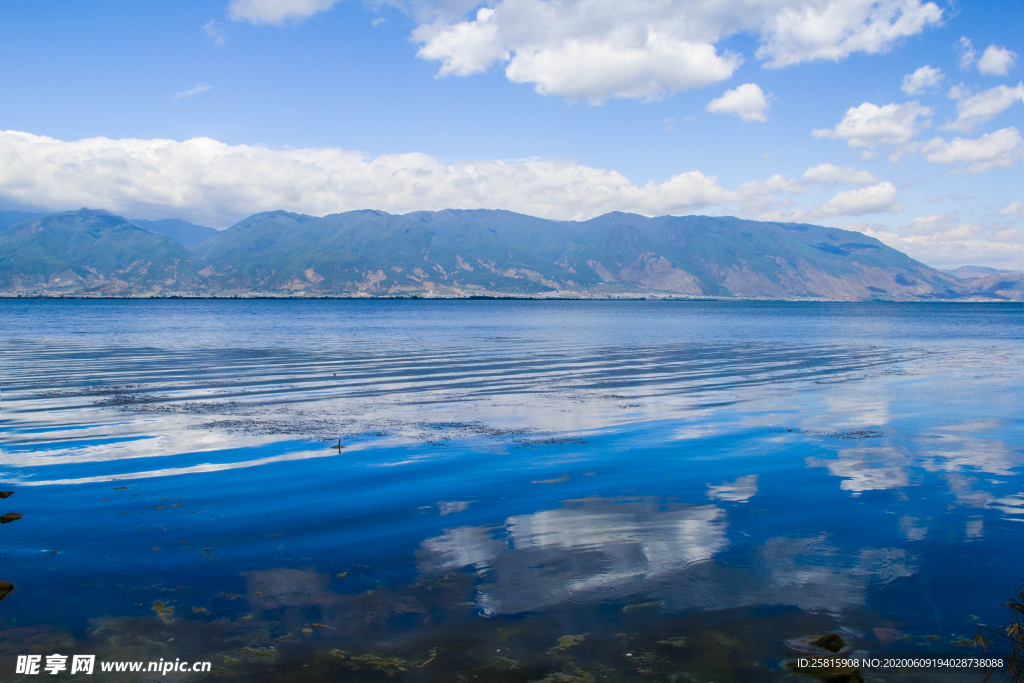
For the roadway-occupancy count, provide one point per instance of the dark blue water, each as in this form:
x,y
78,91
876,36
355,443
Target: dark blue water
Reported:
x,y
702,486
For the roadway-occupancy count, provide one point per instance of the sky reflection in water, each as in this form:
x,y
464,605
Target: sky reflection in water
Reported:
x,y
858,463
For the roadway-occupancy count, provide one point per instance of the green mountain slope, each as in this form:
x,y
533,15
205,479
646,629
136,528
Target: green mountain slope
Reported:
x,y
734,257
90,251
478,252
500,252
374,252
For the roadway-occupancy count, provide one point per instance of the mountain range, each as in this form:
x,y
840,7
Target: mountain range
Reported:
x,y
469,252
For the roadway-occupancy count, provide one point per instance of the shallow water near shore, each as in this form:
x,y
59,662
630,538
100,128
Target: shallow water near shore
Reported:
x,y
447,490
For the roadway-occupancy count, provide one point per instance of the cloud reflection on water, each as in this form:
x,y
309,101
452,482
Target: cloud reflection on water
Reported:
x,y
964,446
739,491
588,549
953,451
609,549
867,468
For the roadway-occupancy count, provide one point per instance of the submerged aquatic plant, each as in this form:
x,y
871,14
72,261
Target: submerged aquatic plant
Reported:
x,y
568,641
629,609
561,677
164,611
1014,632
677,641
388,665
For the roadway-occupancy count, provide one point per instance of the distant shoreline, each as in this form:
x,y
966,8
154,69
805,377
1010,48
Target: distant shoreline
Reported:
x,y
649,297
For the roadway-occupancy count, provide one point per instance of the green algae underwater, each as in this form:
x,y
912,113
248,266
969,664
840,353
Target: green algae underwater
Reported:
x,y
508,491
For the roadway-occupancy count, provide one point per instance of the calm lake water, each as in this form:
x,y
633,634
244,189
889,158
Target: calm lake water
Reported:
x,y
442,490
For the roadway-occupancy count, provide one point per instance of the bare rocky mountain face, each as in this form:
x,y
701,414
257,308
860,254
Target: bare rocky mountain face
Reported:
x,y
477,252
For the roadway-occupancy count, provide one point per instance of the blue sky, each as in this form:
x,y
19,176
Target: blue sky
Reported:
x,y
804,110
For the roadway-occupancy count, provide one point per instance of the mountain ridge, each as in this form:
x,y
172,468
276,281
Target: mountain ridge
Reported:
x,y
87,250
478,252
177,229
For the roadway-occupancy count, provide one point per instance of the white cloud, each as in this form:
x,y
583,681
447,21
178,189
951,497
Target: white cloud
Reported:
x,y
966,50
947,241
997,61
991,151
834,29
465,48
880,198
213,183
949,228
896,156
869,124
757,197
747,101
631,62
200,87
601,49
276,11
972,110
596,71
922,79
1012,209
215,32
829,174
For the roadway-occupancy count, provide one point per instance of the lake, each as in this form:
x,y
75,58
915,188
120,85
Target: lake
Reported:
x,y
560,491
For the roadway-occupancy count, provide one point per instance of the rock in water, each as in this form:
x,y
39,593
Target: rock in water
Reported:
x,y
6,494
5,589
11,517
832,642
